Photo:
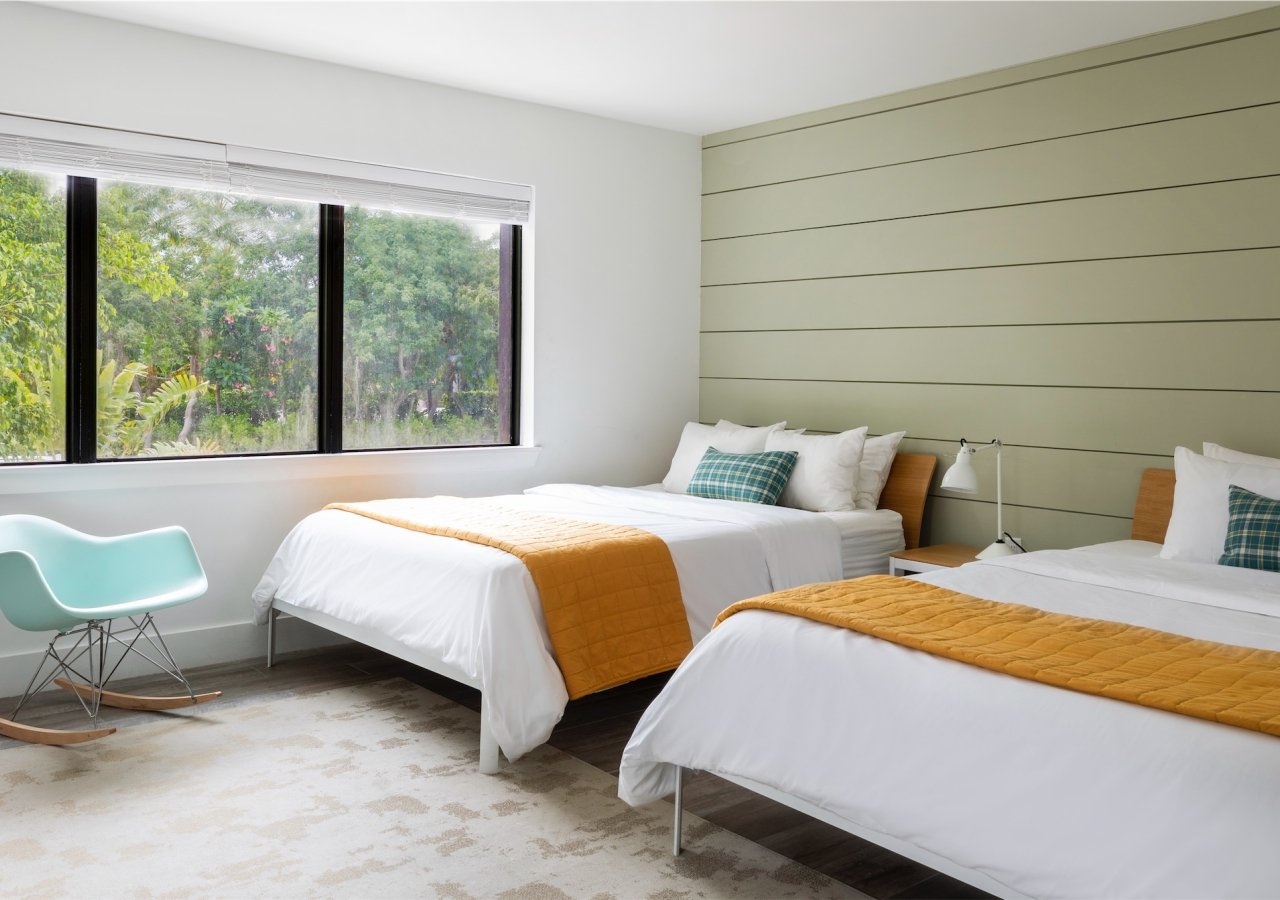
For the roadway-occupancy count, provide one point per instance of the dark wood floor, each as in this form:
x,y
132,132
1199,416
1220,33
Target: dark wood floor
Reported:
x,y
594,729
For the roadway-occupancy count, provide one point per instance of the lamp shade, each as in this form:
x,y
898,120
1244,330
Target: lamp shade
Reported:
x,y
961,477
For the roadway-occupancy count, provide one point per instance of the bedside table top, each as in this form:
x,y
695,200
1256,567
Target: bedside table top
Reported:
x,y
944,555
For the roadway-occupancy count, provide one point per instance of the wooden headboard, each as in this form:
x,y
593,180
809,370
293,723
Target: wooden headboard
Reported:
x,y
1155,505
907,489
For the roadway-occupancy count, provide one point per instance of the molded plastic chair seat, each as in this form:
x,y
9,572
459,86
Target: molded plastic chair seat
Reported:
x,y
54,578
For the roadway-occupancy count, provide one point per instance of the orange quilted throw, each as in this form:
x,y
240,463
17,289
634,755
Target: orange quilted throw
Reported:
x,y
1219,682
609,593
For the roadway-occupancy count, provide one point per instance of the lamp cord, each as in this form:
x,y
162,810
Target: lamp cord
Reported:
x,y
1014,542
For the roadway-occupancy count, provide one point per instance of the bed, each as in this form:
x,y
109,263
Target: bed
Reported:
x,y
472,613
1016,787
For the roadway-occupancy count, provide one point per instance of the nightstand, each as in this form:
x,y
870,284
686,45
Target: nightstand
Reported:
x,y
926,559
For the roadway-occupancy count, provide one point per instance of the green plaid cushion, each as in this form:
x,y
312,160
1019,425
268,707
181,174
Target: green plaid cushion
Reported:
x,y
752,477
1253,531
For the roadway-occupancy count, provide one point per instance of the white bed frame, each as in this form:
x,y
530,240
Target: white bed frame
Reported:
x,y
895,844
490,761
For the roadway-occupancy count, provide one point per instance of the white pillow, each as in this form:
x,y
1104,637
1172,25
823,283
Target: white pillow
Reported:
x,y
696,438
1217,451
762,430
825,471
873,471
1198,526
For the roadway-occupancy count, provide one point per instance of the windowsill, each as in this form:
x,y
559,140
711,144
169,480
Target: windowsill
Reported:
x,y
155,473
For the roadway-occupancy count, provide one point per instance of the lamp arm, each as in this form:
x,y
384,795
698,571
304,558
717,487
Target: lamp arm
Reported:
x,y
999,491
997,445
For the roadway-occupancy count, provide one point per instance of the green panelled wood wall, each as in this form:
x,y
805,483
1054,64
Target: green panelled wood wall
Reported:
x,y
1080,256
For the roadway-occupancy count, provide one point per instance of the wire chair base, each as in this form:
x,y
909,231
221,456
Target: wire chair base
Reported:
x,y
79,661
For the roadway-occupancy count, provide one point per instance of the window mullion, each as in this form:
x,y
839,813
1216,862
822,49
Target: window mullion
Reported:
x,y
509,335
82,319
329,376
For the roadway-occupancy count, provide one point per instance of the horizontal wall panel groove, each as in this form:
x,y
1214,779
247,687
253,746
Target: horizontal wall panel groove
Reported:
x,y
1209,78
1150,422
1174,41
1008,506
988,208
986,384
1098,483
1220,356
1244,144
1231,215
948,447
905,163
955,521
874,328
1241,285
1045,262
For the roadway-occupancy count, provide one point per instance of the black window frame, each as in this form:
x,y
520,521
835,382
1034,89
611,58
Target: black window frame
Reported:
x,y
82,337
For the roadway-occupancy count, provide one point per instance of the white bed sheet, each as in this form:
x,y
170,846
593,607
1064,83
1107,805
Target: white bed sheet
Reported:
x,y
1048,792
868,537
475,608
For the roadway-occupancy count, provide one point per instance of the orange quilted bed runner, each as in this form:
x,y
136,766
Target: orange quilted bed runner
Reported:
x,y
609,593
1219,682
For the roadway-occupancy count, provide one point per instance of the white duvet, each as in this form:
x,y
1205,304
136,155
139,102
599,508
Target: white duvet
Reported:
x,y
1048,792
476,610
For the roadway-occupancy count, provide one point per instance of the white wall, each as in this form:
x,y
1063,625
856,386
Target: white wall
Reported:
x,y
611,289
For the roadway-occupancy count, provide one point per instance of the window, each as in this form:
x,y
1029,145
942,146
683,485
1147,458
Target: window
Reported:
x,y
207,311
143,314
420,331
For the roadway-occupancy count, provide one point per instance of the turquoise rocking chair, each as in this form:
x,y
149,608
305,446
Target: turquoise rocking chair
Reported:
x,y
83,588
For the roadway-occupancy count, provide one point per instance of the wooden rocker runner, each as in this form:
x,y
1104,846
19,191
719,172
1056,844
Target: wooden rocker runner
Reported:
x,y
97,595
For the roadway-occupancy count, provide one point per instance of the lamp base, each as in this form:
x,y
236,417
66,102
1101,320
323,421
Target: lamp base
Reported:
x,y
998,549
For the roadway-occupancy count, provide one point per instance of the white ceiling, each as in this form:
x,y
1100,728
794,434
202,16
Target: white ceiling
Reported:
x,y
691,66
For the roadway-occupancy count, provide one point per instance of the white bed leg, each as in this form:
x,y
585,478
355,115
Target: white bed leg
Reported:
x,y
489,761
679,814
271,636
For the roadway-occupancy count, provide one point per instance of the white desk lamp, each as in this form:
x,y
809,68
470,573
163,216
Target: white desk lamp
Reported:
x,y
962,479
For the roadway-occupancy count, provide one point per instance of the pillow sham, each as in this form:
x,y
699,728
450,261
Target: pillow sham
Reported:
x,y
749,477
762,431
696,438
873,471
725,424
826,468
1253,531
1198,526
1226,454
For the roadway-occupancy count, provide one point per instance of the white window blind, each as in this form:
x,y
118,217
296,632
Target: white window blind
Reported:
x,y
271,174
66,149
69,149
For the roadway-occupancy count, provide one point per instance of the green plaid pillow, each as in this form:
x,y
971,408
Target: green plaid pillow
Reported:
x,y
751,477
1253,531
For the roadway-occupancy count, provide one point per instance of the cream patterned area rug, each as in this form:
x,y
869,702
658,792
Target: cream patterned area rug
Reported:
x,y
368,791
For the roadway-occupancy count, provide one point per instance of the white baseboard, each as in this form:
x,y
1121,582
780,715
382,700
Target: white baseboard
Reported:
x,y
192,648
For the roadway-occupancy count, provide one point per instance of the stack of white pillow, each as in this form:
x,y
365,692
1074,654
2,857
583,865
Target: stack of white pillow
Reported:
x,y
1198,525
833,472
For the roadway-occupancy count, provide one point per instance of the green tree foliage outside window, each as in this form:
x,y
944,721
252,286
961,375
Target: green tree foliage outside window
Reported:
x,y
208,320
421,342
235,318
33,260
